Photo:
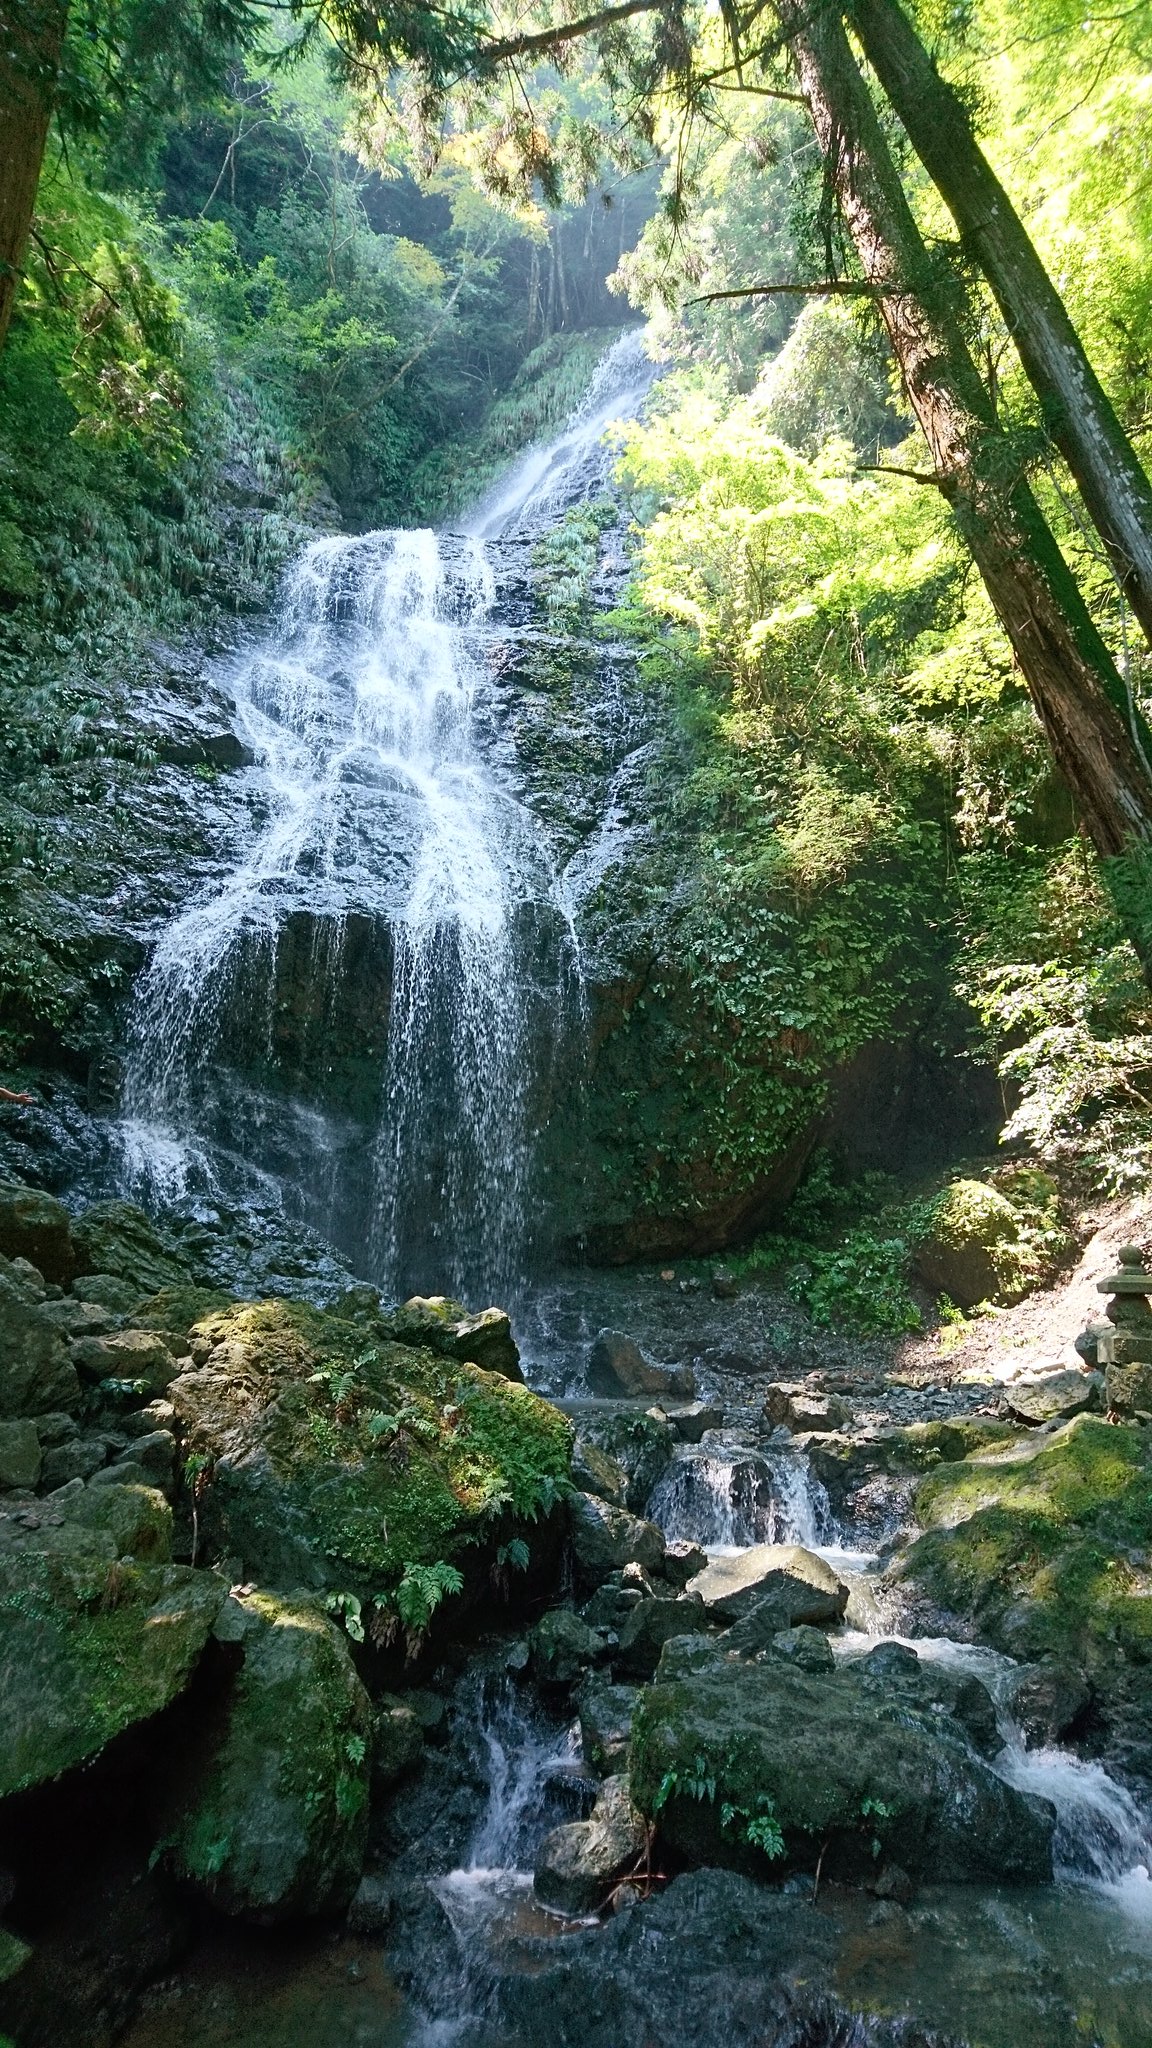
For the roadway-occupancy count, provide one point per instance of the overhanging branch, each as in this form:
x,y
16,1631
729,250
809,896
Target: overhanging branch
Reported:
x,y
838,287
547,39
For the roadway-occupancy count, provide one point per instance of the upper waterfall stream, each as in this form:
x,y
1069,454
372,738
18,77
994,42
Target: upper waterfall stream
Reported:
x,y
376,805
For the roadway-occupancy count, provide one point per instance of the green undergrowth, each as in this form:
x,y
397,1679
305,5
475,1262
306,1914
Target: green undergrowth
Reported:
x,y
844,1249
1049,1552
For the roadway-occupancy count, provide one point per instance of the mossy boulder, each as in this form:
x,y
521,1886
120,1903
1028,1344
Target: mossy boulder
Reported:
x,y
272,1818
118,1238
175,1310
36,1374
977,1247
331,1457
1044,1545
762,1767
484,1338
35,1226
842,1463
87,1648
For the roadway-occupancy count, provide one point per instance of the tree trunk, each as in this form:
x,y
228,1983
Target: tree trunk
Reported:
x,y
31,42
1077,410
1069,672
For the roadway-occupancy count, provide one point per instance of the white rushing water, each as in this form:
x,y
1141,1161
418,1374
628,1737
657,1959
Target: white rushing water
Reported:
x,y
726,1497
375,800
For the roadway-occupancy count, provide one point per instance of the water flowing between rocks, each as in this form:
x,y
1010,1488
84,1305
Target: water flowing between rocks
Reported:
x,y
382,817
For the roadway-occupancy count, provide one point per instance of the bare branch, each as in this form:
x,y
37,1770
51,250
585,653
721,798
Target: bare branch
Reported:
x,y
837,287
914,476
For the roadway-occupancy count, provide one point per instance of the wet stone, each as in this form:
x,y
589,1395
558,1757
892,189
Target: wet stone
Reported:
x,y
606,1724
652,1624
577,1865
800,1585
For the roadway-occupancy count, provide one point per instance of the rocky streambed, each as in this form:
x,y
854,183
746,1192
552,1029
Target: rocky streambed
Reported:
x,y
354,1691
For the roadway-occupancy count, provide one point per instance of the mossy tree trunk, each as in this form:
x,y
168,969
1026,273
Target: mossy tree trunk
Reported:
x,y
31,44
1077,410
1074,684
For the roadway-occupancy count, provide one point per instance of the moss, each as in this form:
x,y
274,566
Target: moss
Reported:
x,y
275,1818
87,1650
176,1309
1048,1550
14,1953
383,1454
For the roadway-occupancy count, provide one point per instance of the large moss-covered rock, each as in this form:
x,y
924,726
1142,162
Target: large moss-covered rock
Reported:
x,y
762,1766
977,1248
1044,1544
118,1238
87,1648
272,1819
36,1374
35,1226
334,1458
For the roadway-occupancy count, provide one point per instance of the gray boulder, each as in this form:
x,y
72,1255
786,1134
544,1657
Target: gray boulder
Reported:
x,y
761,1766
640,1443
36,1374
895,1667
447,1327
593,1471
36,1227
577,1865
604,1539
561,1647
799,1407
616,1365
146,1356
606,1724
1053,1396
1046,1700
20,1454
691,1420
799,1586
89,1649
806,1647
398,1743
650,1625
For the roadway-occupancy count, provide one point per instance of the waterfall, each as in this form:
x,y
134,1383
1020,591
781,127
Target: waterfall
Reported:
x,y
380,829
727,1497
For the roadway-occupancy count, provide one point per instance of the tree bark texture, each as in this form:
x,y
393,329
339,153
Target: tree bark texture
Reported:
x,y
1069,672
31,42
1077,410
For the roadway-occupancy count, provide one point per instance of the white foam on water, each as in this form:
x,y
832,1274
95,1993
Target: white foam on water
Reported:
x,y
373,795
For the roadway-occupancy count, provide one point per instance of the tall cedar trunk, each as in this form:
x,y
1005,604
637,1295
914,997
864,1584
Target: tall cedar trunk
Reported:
x,y
1077,411
31,41
1068,669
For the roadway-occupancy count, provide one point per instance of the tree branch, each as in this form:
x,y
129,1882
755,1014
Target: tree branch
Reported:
x,y
914,476
837,287
547,39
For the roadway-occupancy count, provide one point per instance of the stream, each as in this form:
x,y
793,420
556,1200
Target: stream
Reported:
x,y
382,814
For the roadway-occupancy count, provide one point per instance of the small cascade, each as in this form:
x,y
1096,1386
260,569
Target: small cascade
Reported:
x,y
1102,1837
724,1496
535,1781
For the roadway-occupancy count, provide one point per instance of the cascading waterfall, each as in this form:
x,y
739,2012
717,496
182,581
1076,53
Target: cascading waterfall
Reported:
x,y
377,807
726,1497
